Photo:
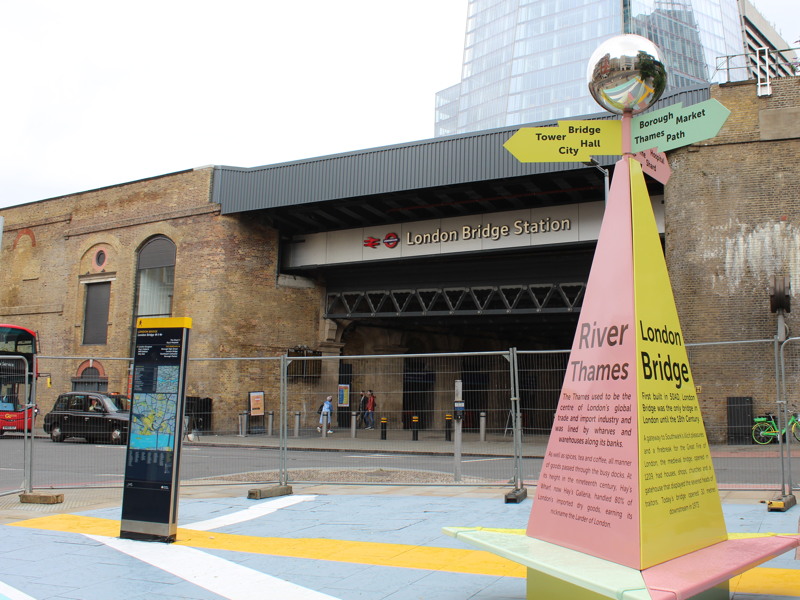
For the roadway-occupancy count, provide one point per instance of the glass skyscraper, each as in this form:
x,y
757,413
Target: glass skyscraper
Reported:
x,y
525,60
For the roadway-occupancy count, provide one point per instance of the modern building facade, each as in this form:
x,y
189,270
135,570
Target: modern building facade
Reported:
x,y
768,54
442,246
525,60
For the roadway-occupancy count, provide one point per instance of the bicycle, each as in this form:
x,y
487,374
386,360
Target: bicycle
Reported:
x,y
765,430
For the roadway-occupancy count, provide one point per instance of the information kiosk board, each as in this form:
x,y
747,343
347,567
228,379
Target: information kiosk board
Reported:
x,y
150,493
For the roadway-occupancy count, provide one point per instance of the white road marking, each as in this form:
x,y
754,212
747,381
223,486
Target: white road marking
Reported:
x,y
486,459
222,577
259,510
9,593
376,456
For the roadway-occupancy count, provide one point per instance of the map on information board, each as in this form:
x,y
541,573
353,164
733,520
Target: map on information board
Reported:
x,y
153,423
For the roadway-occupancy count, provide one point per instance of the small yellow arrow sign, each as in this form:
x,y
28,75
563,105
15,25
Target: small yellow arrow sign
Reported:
x,y
569,141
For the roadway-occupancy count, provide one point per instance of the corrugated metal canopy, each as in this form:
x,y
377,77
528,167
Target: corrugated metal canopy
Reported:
x,y
429,179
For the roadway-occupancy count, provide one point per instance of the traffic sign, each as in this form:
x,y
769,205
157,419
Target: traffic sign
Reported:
x,y
676,126
569,141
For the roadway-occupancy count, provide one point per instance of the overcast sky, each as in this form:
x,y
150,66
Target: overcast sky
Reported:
x,y
784,16
98,92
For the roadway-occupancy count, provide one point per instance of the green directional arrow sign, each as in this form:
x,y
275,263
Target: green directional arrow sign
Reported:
x,y
676,126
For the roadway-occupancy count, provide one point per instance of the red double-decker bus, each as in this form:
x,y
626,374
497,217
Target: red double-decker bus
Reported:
x,y
17,378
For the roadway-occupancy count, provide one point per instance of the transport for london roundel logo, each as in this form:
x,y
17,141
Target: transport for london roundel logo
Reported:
x,y
390,240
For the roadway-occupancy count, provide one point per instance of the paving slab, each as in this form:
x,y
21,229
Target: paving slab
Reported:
x,y
378,542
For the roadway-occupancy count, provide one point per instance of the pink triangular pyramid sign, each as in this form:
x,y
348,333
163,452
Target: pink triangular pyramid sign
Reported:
x,y
627,474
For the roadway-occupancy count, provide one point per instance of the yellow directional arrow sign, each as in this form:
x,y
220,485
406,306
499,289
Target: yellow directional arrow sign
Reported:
x,y
569,141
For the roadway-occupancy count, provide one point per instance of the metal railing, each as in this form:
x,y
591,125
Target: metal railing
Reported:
x,y
764,65
510,402
15,368
787,401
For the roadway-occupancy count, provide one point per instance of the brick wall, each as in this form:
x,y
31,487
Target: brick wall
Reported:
x,y
225,280
731,224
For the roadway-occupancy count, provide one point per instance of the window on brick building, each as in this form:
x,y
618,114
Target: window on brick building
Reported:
x,y
155,278
299,370
90,380
95,313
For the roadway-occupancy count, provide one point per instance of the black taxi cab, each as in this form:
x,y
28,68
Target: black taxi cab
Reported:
x,y
94,416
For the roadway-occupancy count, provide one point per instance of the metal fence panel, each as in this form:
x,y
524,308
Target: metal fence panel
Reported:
x,y
12,464
729,377
413,441
16,435
237,440
789,395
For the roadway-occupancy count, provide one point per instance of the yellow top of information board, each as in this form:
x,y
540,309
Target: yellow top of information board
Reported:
x,y
164,323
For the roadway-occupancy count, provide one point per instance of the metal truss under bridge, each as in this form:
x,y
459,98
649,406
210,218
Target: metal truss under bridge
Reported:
x,y
478,300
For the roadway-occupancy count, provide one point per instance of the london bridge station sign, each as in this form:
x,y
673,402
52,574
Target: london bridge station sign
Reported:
x,y
474,233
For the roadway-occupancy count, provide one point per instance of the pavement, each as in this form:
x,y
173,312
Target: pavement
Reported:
x,y
492,443
321,542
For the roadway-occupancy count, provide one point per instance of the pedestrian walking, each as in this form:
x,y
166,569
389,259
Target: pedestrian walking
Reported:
x,y
362,410
325,412
370,410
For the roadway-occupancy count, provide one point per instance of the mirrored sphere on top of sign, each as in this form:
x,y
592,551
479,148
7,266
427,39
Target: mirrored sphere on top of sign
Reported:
x,y
626,73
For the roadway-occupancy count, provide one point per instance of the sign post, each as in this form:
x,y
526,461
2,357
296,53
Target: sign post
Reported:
x,y
676,126
256,404
627,489
343,395
150,492
569,141
458,405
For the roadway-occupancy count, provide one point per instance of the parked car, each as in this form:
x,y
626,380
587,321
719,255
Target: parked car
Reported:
x,y
90,415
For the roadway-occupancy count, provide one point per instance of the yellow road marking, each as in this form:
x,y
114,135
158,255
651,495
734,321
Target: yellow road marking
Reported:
x,y
407,556
766,581
761,580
